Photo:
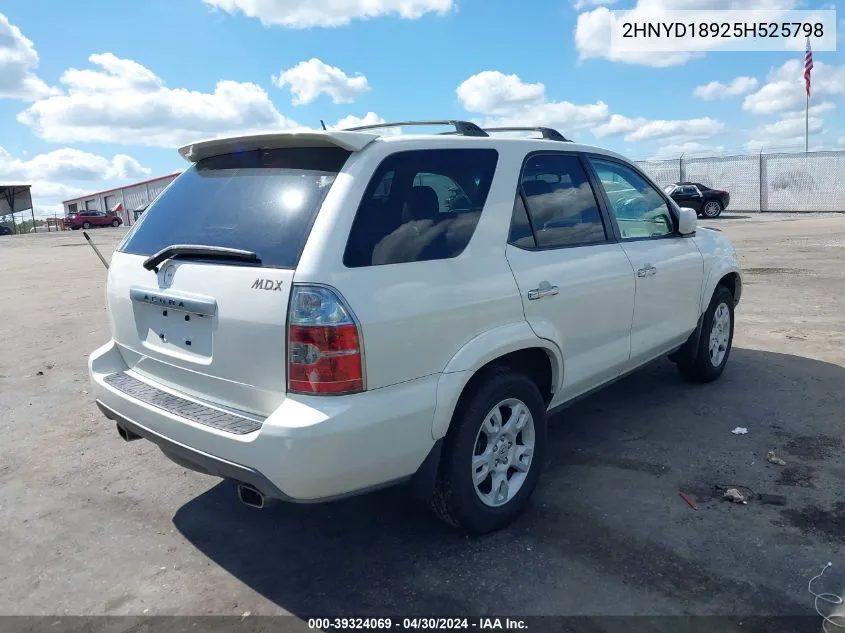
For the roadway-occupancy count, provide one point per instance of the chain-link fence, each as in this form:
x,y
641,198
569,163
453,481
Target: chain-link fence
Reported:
x,y
813,181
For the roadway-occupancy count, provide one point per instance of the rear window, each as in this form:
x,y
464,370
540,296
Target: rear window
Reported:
x,y
421,205
263,201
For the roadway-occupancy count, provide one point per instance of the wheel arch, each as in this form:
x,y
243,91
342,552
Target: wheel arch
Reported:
x,y
514,346
733,282
725,273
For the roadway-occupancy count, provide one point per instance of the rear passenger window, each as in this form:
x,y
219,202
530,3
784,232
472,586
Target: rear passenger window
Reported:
x,y
521,233
420,205
561,205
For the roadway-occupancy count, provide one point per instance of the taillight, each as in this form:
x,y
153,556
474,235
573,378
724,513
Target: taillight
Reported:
x,y
324,348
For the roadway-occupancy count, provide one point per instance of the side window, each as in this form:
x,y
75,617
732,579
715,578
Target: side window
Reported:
x,y
561,205
521,233
639,209
382,190
420,205
450,195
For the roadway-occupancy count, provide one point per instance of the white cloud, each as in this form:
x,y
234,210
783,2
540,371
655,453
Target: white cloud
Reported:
x,y
770,145
121,101
842,140
815,110
592,40
789,128
561,115
787,132
717,90
303,14
784,89
593,28
508,101
46,173
689,148
371,118
641,129
492,92
18,61
309,79
69,164
579,5
47,192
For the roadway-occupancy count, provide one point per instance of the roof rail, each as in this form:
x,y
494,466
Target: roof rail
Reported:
x,y
464,128
548,133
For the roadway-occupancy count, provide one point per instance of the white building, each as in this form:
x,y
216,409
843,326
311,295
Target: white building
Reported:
x,y
123,201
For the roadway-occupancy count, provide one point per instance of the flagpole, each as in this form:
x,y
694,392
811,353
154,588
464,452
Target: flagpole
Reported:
x,y
807,126
808,67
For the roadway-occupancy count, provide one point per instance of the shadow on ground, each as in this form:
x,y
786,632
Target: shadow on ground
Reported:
x,y
606,532
729,216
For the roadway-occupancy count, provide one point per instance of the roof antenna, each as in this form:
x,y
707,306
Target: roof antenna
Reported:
x,y
323,124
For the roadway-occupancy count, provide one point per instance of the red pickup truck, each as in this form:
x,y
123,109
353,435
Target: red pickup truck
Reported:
x,y
89,219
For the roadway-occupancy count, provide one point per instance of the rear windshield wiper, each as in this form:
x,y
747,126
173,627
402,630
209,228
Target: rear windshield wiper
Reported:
x,y
200,251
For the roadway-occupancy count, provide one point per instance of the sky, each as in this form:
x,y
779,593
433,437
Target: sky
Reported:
x,y
97,93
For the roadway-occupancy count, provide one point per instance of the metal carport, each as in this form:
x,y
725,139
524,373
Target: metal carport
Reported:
x,y
15,199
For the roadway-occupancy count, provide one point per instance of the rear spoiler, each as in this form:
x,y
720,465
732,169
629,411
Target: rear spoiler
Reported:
x,y
351,141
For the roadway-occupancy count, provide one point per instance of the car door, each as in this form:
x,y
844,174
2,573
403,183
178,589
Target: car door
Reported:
x,y
688,196
577,284
669,268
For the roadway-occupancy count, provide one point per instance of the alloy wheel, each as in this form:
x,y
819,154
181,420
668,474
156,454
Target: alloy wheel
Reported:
x,y
504,451
720,333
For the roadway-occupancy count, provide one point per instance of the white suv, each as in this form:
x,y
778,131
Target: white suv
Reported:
x,y
318,314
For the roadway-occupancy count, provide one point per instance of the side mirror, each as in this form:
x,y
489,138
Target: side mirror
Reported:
x,y
687,221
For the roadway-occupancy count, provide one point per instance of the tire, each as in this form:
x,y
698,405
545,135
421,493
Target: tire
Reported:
x,y
457,500
703,364
115,223
86,225
712,209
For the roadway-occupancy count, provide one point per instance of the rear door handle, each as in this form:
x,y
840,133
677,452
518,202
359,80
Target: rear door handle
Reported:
x,y
545,290
647,271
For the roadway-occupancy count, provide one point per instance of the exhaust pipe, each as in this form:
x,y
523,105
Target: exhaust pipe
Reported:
x,y
249,496
126,434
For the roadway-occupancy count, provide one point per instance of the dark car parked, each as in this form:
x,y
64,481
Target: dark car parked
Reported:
x,y
89,219
705,201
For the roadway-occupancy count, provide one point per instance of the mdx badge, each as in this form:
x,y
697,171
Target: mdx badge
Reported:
x,y
267,284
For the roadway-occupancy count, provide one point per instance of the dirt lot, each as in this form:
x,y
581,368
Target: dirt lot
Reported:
x,y
93,525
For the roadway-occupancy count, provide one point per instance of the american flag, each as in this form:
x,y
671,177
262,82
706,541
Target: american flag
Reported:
x,y
808,66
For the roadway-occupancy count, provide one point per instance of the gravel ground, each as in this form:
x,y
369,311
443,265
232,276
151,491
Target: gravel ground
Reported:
x,y
93,525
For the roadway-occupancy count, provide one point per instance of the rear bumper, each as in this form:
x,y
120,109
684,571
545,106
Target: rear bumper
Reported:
x,y
310,449
193,459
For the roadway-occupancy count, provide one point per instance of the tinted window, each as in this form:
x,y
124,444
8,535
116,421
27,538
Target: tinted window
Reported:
x,y
561,204
263,201
420,205
639,209
522,234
